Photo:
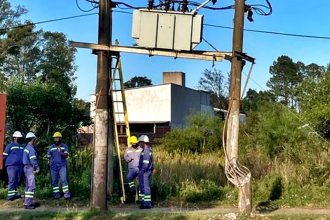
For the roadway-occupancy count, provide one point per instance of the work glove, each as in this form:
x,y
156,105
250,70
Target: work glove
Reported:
x,y
37,171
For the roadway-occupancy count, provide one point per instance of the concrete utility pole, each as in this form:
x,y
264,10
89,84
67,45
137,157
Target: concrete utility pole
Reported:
x,y
244,203
99,187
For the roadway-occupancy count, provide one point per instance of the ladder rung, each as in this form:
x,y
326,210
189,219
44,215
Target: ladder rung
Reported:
x,y
116,90
119,112
117,101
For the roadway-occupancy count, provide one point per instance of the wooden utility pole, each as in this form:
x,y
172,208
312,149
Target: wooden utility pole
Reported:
x,y
244,203
99,186
3,107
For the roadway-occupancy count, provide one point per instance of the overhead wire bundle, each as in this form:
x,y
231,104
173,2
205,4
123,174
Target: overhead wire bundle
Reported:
x,y
259,9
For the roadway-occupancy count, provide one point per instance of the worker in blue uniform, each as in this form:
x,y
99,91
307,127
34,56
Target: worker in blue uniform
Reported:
x,y
146,167
13,157
31,168
58,153
132,157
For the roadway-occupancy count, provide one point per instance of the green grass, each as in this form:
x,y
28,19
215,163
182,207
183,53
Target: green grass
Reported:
x,y
147,215
29,215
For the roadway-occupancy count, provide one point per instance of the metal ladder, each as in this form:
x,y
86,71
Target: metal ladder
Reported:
x,y
119,114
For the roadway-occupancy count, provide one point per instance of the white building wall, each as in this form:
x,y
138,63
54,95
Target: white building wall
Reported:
x,y
160,103
149,104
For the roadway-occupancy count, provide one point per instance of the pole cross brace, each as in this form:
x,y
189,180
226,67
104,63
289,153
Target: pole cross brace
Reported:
x,y
244,56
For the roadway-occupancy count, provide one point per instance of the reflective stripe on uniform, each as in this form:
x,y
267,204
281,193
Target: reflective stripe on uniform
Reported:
x,y
54,148
65,188
11,192
146,161
26,151
14,147
56,189
5,154
147,198
32,157
29,195
131,184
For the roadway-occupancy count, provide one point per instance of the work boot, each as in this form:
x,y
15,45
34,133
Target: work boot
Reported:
x,y
18,196
36,204
31,206
57,195
145,207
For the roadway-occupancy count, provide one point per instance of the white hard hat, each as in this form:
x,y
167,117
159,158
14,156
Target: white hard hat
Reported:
x,y
30,135
17,134
144,138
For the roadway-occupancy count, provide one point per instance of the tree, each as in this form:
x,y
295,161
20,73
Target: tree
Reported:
x,y
57,62
9,37
37,72
21,53
314,98
28,55
254,99
9,16
216,84
286,76
138,81
44,109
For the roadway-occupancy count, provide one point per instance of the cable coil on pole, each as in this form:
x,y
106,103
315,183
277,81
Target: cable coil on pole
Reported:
x,y
236,173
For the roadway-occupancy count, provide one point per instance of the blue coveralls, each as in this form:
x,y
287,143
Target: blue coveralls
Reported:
x,y
13,156
59,170
132,157
30,165
146,167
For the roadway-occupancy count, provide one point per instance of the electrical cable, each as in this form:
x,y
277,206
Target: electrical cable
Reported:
x,y
213,47
208,25
272,32
83,10
48,21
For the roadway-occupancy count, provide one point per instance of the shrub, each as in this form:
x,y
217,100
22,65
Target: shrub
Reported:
x,y
202,134
205,190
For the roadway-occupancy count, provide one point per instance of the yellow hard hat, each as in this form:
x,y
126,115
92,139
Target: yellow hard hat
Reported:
x,y
57,134
133,140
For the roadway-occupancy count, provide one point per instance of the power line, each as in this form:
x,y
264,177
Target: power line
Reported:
x,y
208,25
88,10
48,21
272,32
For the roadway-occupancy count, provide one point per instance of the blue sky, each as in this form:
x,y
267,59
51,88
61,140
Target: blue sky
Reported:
x,y
294,16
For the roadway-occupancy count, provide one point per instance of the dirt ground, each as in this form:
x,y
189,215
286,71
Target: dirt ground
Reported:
x,y
232,212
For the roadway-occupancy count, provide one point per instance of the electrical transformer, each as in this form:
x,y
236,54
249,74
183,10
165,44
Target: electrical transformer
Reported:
x,y
173,30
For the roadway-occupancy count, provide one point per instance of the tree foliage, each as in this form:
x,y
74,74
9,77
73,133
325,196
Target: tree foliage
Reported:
x,y
314,97
214,82
201,134
37,72
57,62
285,79
138,81
254,99
42,108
